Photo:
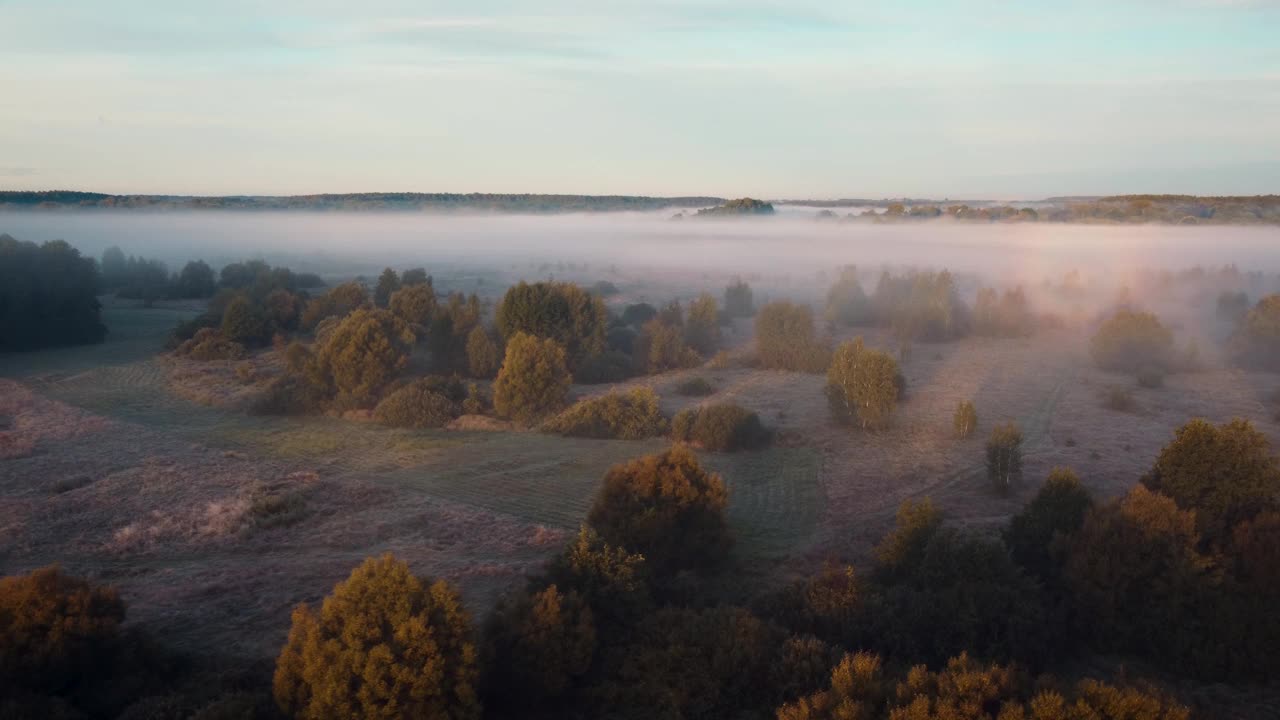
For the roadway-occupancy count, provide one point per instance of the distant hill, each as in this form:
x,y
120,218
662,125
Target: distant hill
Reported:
x,y
443,202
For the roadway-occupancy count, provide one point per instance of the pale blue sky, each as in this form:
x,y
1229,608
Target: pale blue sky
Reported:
x,y
774,99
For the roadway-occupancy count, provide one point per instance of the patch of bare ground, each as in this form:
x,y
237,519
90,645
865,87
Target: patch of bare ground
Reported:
x,y
213,548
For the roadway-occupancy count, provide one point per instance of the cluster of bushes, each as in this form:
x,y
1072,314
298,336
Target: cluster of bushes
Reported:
x,y
48,296
631,415
922,306
722,427
254,304
430,402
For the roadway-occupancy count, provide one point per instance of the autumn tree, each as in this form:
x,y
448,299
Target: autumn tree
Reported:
x,y
665,507
560,311
360,356
482,353
536,644
384,644
388,284
1004,456
702,325
786,338
415,305
534,379
1225,473
244,324
862,387
340,301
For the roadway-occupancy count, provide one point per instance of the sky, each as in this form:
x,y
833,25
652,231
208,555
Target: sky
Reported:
x,y
794,99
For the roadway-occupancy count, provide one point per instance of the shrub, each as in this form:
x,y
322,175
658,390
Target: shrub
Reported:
x,y
966,419
534,379
477,401
208,344
702,327
786,339
1037,536
1256,343
536,644
1151,378
862,385
720,361
415,406
1004,456
243,323
414,304
482,353
631,415
847,302
695,387
660,346
610,366
1225,473
383,644
737,299
1131,341
665,507
561,311
360,357
56,631
723,427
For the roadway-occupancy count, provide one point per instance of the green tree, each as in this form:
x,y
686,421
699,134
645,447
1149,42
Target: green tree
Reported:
x,y
48,296
534,379
966,419
388,284
1004,456
360,356
1225,473
384,644
244,324
415,276
665,507
195,281
862,386
786,339
482,353
563,312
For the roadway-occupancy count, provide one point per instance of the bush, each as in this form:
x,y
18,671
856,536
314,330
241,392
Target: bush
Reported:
x,y
723,427
243,323
1037,536
1119,399
1225,473
383,644
208,344
1151,378
665,507
561,311
631,415
695,387
1004,456
476,402
415,406
786,339
966,419
862,387
360,357
1132,341
482,353
610,366
536,645
534,379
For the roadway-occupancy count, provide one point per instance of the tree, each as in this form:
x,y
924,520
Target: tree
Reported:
x,y
661,347
1256,342
416,276
862,385
613,581
1225,473
56,631
737,299
665,507
384,644
243,323
534,379
847,302
702,327
1131,341
560,311
1037,536
360,356
786,339
1004,456
195,281
340,301
388,283
48,296
482,353
536,645
415,305
966,419
114,268
639,314
916,524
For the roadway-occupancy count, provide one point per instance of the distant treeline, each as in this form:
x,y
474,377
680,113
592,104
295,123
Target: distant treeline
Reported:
x,y
1159,209
491,202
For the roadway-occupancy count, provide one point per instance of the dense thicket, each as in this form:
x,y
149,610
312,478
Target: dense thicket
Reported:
x,y
48,296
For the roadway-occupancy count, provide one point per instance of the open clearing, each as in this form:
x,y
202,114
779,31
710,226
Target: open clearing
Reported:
x,y
214,523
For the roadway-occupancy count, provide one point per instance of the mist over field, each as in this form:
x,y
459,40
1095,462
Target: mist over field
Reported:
x,y
792,242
